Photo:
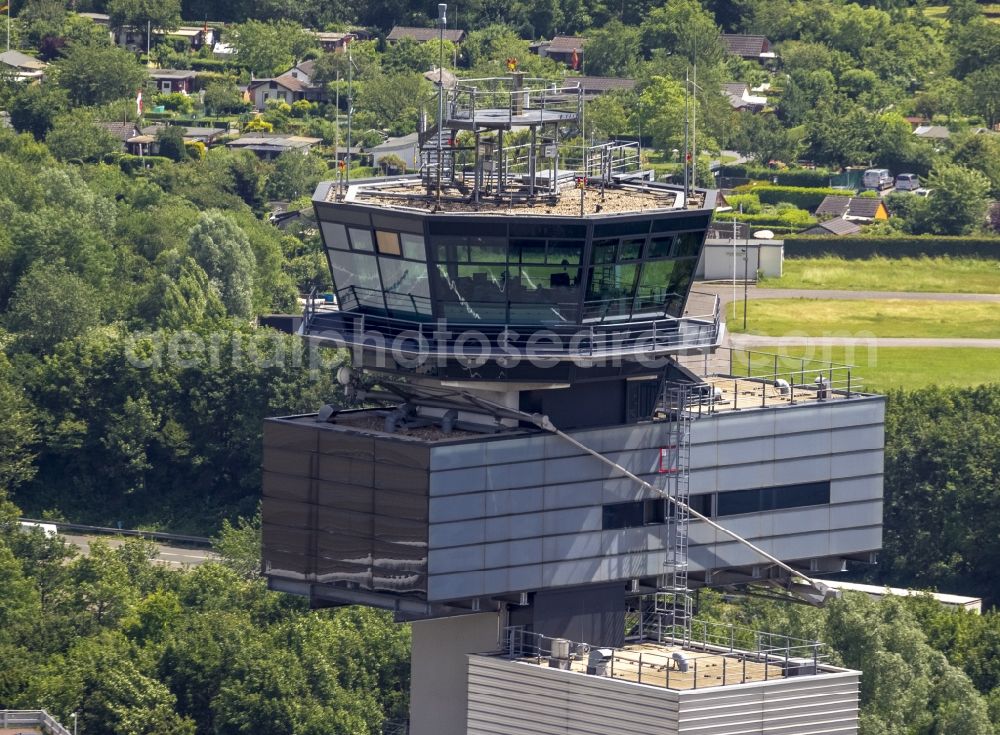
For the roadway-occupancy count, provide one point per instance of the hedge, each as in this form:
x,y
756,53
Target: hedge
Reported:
x,y
796,219
788,177
803,198
859,248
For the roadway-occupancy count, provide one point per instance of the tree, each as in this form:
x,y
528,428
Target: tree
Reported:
x,y
222,97
958,200
613,50
607,115
294,174
982,153
982,93
39,313
761,138
840,133
269,48
684,28
36,106
75,136
170,140
221,248
97,75
661,105
164,15
393,101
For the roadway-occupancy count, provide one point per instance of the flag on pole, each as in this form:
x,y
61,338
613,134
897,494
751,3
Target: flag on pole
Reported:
x,y
138,103
576,60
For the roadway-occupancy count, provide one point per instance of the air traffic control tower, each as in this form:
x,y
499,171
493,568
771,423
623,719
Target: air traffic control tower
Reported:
x,y
557,450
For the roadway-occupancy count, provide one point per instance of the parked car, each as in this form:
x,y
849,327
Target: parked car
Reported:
x,y
907,182
877,178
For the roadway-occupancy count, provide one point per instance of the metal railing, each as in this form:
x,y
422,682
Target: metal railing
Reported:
x,y
502,93
543,338
733,654
15,718
742,379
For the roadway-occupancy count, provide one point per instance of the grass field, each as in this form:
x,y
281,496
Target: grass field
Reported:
x,y
928,275
868,318
885,368
990,10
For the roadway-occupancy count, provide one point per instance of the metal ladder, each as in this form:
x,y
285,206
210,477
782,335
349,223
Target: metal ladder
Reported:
x,y
673,600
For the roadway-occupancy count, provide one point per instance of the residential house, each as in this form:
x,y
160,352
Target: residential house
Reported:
x,y
564,49
595,86
123,131
21,67
422,35
290,86
835,226
196,36
145,143
333,41
932,132
268,146
406,148
857,209
173,80
741,98
755,48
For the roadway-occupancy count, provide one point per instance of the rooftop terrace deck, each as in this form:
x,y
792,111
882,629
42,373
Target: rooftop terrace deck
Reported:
x,y
411,193
709,655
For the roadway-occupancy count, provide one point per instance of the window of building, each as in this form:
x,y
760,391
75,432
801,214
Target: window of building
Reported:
x,y
356,279
335,235
760,500
361,239
388,242
413,247
633,515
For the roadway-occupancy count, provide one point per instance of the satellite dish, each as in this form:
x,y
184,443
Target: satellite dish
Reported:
x,y
344,375
763,235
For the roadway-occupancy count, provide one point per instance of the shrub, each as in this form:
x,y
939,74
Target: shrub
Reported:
x,y
130,164
788,177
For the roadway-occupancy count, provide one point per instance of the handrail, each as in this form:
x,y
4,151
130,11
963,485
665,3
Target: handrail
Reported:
x,y
201,541
735,645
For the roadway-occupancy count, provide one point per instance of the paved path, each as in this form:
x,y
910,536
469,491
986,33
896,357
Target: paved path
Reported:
x,y
761,340
725,292
173,556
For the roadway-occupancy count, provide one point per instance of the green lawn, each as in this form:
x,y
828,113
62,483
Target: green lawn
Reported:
x,y
885,368
941,275
867,318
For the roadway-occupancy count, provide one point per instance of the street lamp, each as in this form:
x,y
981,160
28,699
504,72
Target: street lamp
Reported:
x,y
73,715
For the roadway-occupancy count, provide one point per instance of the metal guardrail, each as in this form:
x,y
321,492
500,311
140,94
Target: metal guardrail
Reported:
x,y
15,718
176,538
476,340
734,646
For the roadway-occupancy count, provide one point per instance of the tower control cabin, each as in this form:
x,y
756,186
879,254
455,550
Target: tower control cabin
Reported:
x,y
557,448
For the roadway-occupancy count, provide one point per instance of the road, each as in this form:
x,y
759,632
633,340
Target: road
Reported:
x,y
725,293
173,556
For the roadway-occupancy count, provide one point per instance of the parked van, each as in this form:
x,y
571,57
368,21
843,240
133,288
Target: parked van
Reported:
x,y
907,182
48,529
877,178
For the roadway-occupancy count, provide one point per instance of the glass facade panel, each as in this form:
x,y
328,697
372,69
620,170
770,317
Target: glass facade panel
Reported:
x,y
361,239
355,277
413,247
689,243
406,286
609,291
659,247
388,242
335,235
654,286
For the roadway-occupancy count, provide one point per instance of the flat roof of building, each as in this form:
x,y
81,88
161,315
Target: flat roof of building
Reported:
x,y
412,194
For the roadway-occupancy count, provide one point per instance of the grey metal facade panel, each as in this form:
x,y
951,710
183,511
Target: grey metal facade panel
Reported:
x,y
565,510
515,698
